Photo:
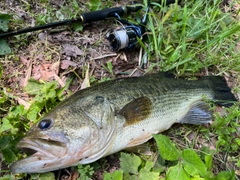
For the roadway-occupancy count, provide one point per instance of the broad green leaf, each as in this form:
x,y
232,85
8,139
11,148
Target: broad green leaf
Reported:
x,y
237,141
166,148
193,164
33,111
4,48
4,141
226,175
78,27
46,90
49,87
7,177
145,172
148,176
130,176
8,148
177,173
47,176
159,165
191,170
33,87
12,119
94,5
34,176
5,125
3,97
197,178
16,111
130,163
43,176
116,175
208,161
51,94
148,166
9,155
4,20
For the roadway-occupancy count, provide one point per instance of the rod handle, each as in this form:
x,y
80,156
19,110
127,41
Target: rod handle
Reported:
x,y
102,14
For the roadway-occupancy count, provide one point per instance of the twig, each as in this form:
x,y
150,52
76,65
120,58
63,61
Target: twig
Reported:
x,y
103,56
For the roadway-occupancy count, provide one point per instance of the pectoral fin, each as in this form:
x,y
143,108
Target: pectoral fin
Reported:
x,y
136,110
142,148
198,114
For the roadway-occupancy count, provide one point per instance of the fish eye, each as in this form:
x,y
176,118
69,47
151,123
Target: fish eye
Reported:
x,y
100,99
45,124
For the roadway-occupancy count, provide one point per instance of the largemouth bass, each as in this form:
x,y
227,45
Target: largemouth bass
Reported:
x,y
115,115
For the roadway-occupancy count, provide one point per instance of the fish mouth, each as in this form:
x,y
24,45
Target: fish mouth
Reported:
x,y
42,155
28,151
42,147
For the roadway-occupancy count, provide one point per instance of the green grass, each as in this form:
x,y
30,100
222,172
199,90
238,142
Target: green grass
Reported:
x,y
196,37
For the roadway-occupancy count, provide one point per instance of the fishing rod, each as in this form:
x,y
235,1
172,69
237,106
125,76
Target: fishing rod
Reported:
x,y
88,17
84,18
122,38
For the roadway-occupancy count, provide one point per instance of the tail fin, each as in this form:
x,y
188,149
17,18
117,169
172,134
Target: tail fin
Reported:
x,y
222,93
200,112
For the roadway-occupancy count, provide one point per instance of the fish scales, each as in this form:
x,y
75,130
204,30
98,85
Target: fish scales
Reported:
x,y
118,93
115,115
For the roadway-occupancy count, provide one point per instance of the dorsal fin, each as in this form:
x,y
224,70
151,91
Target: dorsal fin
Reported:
x,y
136,110
166,74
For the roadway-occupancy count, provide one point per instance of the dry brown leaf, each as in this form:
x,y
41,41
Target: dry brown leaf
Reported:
x,y
28,74
24,60
75,175
55,67
71,50
42,36
46,73
86,82
66,63
61,37
36,72
59,80
23,102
